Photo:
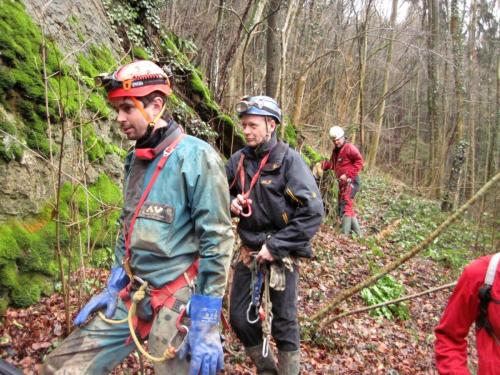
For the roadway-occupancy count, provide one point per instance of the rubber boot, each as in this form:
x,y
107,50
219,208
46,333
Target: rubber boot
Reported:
x,y
289,363
356,227
265,365
346,225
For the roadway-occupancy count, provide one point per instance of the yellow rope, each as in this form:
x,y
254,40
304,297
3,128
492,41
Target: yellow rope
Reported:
x,y
138,297
111,321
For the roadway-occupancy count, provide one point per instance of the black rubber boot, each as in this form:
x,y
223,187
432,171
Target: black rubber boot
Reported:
x,y
265,365
289,363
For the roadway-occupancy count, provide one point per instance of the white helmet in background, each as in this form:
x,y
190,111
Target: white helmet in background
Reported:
x,y
335,133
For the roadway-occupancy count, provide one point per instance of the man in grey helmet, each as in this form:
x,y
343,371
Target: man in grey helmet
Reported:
x,y
280,209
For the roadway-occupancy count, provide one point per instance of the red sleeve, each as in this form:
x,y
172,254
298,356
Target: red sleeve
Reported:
x,y
460,313
357,161
326,164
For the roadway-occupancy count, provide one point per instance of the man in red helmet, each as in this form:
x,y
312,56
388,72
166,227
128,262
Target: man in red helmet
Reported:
x,y
174,246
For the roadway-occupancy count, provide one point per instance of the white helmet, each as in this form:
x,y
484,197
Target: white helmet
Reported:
x,y
335,133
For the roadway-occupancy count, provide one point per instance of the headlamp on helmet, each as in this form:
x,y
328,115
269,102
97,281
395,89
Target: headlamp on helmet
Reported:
x,y
136,79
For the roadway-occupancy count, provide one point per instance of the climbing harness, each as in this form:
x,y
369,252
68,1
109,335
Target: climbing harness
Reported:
x,y
485,298
240,172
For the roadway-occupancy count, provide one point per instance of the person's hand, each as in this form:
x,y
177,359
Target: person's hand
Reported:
x,y
203,340
264,255
238,203
318,170
343,178
108,298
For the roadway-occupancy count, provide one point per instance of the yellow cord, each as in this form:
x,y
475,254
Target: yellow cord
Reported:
x,y
138,297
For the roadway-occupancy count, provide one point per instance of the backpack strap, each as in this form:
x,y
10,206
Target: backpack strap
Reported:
x,y
482,320
492,269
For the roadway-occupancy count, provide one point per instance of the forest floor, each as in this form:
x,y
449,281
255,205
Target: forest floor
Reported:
x,y
357,344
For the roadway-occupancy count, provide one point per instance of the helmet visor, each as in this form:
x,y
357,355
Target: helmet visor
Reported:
x,y
245,105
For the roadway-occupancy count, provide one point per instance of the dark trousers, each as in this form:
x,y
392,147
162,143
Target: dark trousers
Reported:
x,y
285,326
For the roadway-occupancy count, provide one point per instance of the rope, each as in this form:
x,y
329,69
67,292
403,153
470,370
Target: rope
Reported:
x,y
139,295
268,317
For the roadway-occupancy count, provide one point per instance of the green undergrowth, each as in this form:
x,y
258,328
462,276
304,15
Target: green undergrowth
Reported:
x,y
68,96
383,200
386,289
28,265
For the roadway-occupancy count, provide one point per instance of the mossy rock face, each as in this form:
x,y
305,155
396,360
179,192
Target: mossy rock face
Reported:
x,y
9,249
27,292
9,277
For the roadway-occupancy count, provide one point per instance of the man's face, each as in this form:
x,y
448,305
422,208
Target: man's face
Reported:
x,y
339,142
255,129
132,122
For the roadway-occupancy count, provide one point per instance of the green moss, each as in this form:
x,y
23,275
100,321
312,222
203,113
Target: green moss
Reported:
x,y
27,292
290,134
9,249
97,104
9,275
4,303
312,155
200,88
140,54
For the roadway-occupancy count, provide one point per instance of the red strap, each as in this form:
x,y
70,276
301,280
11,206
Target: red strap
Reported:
x,y
163,297
161,163
240,170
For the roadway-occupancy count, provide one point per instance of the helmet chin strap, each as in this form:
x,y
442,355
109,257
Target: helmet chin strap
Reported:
x,y
138,104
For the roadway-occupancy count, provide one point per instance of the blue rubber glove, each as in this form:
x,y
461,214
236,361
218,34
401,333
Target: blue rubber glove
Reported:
x,y
108,298
203,341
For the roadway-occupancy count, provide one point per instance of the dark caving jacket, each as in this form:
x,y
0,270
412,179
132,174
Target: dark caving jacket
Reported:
x,y
287,209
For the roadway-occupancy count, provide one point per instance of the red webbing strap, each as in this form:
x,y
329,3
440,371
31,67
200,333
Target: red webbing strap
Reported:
x,y
162,297
161,163
238,168
255,177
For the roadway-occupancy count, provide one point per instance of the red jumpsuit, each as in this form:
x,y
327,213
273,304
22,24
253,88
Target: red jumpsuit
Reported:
x,y
460,313
346,160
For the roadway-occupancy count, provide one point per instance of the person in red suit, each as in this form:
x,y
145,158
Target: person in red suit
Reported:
x,y
346,161
469,304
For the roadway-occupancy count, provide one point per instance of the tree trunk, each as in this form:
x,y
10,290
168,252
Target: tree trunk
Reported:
x,y
417,132
452,190
362,53
284,37
372,155
273,48
215,56
432,89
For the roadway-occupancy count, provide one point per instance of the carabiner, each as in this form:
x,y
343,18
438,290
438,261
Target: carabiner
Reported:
x,y
250,305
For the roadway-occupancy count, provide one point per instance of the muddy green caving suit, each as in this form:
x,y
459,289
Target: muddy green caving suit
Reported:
x,y
186,216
